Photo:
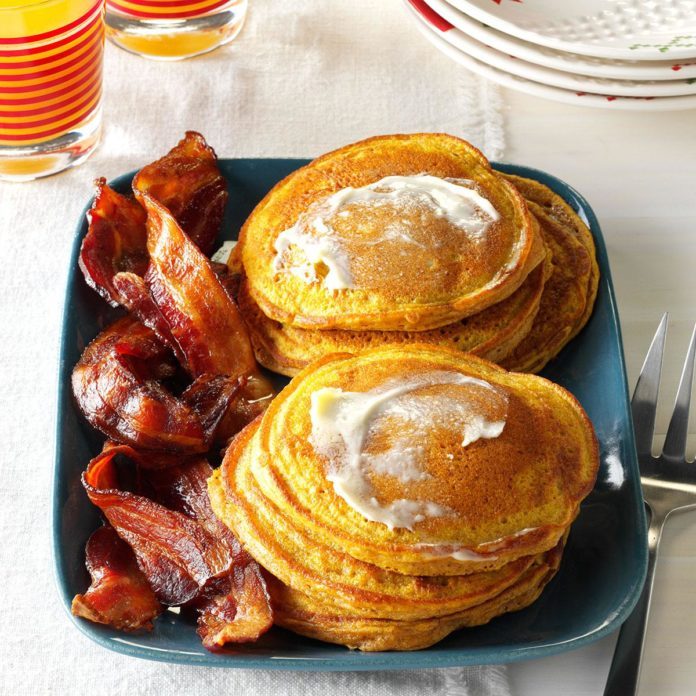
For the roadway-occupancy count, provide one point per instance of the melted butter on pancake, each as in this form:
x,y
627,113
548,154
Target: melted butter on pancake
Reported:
x,y
385,222
385,432
462,553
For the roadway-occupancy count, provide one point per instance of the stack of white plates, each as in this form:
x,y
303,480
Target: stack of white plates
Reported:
x,y
626,54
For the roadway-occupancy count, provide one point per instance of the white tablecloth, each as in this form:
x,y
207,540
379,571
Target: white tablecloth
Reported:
x,y
302,78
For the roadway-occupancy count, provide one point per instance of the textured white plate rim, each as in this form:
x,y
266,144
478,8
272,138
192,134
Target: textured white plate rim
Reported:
x,y
556,78
563,60
653,52
555,93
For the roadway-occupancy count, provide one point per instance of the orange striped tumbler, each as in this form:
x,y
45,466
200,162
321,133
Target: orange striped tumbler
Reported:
x,y
173,29
50,84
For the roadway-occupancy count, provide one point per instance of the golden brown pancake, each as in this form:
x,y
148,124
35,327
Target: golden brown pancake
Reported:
x,y
517,333
554,206
559,223
306,617
491,334
400,494
324,573
564,300
498,498
331,248
557,208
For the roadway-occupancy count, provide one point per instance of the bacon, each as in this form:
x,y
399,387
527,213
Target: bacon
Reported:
x,y
114,257
159,274
119,595
185,488
252,616
211,397
240,611
202,317
188,183
176,554
135,297
252,400
187,555
229,281
115,241
149,255
115,385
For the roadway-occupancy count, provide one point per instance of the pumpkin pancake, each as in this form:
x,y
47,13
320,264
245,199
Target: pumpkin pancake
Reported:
x,y
572,283
463,467
554,206
564,301
562,213
326,574
400,494
394,233
492,334
294,612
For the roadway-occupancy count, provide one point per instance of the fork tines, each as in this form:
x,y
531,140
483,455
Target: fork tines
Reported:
x,y
644,405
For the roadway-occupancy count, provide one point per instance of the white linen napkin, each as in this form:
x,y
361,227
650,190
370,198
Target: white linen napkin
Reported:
x,y
302,78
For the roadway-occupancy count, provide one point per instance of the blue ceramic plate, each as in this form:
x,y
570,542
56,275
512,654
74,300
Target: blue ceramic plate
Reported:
x,y
604,563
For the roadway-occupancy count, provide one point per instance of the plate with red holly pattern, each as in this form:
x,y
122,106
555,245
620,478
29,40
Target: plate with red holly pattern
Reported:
x,y
449,18
623,29
594,98
549,76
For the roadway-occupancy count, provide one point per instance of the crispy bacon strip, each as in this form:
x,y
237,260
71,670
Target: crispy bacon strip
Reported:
x,y
181,298
115,386
188,183
229,281
119,595
186,553
135,297
240,611
211,397
252,617
176,554
115,241
202,318
252,400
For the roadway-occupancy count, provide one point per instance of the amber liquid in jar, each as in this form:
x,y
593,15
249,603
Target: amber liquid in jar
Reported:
x,y
173,30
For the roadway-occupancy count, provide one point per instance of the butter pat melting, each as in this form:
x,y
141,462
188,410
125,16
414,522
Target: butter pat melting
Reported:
x,y
344,422
312,244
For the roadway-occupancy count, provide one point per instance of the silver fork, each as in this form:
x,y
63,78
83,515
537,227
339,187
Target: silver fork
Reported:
x,y
669,484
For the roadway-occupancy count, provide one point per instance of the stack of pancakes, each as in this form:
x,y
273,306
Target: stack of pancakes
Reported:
x,y
398,269
400,487
404,492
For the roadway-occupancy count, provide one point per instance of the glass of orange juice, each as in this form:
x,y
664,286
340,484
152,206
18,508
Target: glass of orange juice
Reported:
x,y
50,84
173,29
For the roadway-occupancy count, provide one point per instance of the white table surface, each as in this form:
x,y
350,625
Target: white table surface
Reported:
x,y
638,171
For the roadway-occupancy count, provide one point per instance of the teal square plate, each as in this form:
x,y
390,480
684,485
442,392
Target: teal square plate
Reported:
x,y
605,559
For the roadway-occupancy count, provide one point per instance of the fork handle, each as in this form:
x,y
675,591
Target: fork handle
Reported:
x,y
624,672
